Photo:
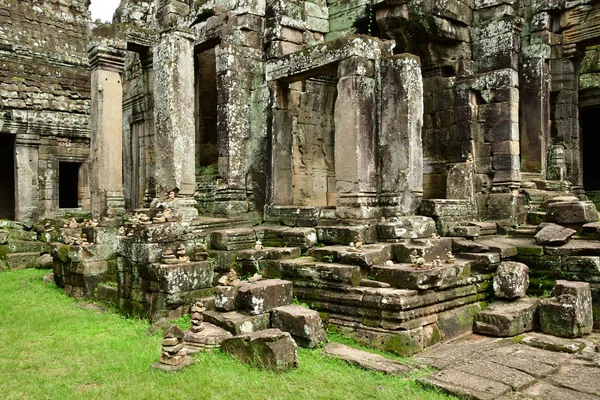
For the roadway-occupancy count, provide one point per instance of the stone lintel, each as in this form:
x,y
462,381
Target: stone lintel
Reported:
x,y
313,60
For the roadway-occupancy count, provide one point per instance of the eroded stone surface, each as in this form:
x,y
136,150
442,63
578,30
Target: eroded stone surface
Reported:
x,y
263,296
269,349
507,318
511,280
366,360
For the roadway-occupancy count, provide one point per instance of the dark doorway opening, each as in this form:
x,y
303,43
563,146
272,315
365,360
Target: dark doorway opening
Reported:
x,y
68,184
590,144
207,151
7,177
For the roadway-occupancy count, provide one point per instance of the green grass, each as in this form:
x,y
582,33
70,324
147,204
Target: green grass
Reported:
x,y
52,349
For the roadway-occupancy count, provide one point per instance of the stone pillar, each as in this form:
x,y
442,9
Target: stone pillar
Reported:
x,y
400,145
106,166
355,126
27,195
234,83
175,136
282,169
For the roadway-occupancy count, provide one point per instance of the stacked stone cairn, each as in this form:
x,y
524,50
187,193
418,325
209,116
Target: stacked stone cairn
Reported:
x,y
174,356
513,312
202,336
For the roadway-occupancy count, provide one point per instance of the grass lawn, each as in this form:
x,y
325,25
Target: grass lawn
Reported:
x,y
52,349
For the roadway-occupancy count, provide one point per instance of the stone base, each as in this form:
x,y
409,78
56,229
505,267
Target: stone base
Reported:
x,y
172,368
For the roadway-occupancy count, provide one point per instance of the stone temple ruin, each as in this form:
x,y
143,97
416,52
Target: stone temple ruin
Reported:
x,y
385,157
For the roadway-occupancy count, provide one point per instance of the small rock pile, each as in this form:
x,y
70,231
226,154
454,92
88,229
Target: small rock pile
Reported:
x,y
173,355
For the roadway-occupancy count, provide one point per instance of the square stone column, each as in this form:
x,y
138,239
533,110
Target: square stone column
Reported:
x,y
106,166
27,194
355,127
175,136
400,145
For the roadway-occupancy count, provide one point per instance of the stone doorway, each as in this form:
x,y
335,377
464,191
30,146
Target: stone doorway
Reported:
x,y
7,177
313,141
68,185
590,144
207,150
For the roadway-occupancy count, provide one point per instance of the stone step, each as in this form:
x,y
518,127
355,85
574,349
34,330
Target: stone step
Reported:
x,y
406,276
446,208
466,231
370,254
536,217
21,234
234,239
486,228
344,235
497,245
523,231
311,270
284,236
507,318
22,246
22,260
429,249
485,263
366,360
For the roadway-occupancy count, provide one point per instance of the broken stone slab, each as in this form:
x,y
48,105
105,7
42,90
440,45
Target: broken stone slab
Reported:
x,y
284,236
573,212
209,338
320,272
410,227
569,312
511,280
554,235
553,343
370,254
302,323
366,360
581,378
429,249
503,318
225,297
186,361
270,349
238,323
445,207
344,234
263,296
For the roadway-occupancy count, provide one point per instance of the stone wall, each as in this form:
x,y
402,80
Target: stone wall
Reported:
x,y
44,98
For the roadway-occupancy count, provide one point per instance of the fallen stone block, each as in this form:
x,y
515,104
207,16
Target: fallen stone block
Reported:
x,y
366,360
554,235
553,343
263,296
591,230
412,227
270,349
238,323
569,312
511,280
302,323
573,212
503,318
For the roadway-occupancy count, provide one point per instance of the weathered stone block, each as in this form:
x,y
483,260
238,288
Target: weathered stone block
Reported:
x,y
504,318
415,227
270,349
238,323
511,280
580,212
302,323
225,297
263,296
554,235
569,312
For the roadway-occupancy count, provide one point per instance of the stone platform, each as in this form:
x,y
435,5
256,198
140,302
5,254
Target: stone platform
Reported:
x,y
482,368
